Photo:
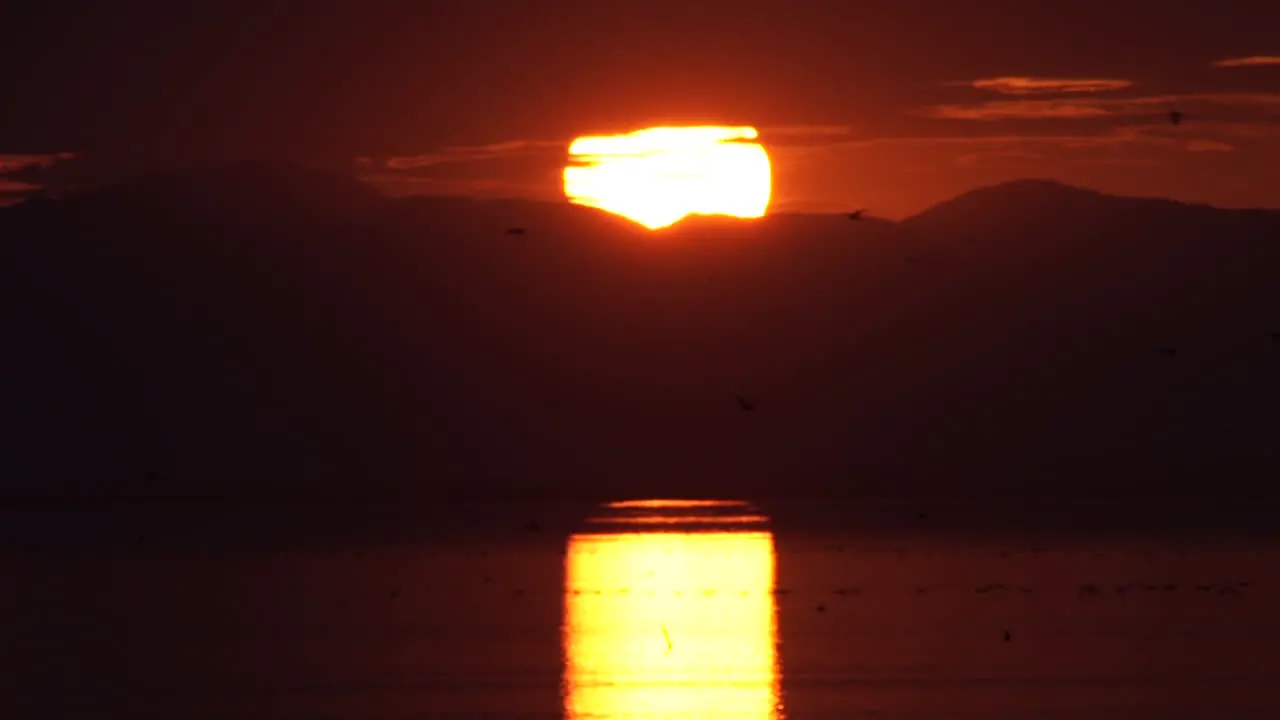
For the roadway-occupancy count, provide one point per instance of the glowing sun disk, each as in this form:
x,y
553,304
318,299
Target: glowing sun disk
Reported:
x,y
659,175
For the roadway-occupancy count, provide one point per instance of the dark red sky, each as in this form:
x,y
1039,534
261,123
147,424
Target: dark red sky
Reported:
x,y
869,103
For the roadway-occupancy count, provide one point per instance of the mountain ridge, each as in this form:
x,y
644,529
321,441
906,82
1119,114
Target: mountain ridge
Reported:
x,y
412,342
276,180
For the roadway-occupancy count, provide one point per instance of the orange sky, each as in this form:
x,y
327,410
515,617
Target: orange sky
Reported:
x,y
888,105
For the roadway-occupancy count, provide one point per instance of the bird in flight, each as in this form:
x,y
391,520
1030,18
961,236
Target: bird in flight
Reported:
x,y
857,214
515,231
745,404
1175,117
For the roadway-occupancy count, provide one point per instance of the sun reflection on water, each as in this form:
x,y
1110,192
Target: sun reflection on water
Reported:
x,y
672,623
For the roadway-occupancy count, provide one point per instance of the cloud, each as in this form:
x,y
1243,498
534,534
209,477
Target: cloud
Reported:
x,y
1131,162
791,133
1023,85
778,135
14,191
1155,135
1250,61
10,164
399,184
1160,131
511,149
1130,144
14,187
1016,110
1208,146
460,169
1258,130
783,138
20,173
1130,140
1004,144
807,205
1089,107
468,154
805,130
532,168
996,157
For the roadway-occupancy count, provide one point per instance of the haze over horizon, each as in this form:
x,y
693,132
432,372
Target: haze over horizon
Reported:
x,y
893,107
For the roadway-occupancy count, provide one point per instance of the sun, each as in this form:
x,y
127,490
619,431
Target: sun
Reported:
x,y
659,175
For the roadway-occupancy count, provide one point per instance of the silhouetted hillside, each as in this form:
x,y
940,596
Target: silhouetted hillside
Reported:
x,y
1087,293
257,190
1051,205
261,329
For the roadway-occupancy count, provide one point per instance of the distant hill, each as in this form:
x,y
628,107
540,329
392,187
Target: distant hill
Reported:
x,y
265,330
1084,290
260,190
1030,200
1051,206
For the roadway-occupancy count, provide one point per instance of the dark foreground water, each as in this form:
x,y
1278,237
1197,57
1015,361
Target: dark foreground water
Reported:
x,y
189,612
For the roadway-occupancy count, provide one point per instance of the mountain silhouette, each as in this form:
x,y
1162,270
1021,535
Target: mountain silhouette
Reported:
x,y
1048,204
262,329
1081,289
1018,201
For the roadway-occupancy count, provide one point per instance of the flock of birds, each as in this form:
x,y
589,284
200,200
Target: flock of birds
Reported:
x,y
1086,590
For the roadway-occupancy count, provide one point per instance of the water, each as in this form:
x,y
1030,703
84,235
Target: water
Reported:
x,y
174,613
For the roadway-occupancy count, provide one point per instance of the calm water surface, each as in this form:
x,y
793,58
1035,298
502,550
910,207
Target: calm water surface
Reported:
x,y
651,612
